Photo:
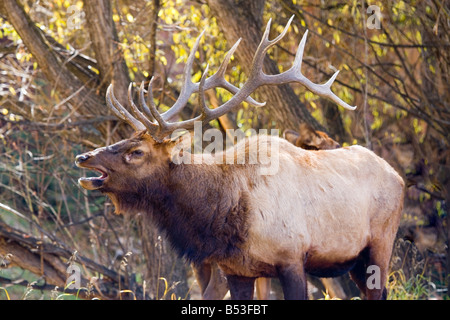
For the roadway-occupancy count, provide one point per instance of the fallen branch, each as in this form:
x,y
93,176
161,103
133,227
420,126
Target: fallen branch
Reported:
x,y
49,261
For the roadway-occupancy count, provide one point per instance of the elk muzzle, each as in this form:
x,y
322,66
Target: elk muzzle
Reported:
x,y
87,161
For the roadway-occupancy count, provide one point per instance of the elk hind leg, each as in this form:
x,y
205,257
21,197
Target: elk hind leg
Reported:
x,y
359,271
377,272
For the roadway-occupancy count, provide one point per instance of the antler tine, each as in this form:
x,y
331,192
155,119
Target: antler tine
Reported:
x,y
256,79
153,109
201,94
271,43
142,103
218,78
264,46
294,74
120,112
150,126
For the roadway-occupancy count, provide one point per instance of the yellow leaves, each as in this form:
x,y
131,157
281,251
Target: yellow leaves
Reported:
x,y
130,17
336,37
416,126
377,120
169,14
163,60
94,69
309,95
11,116
280,28
346,94
346,144
318,115
345,9
196,77
382,38
432,69
419,37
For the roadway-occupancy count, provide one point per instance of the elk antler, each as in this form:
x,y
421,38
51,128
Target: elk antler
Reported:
x,y
162,126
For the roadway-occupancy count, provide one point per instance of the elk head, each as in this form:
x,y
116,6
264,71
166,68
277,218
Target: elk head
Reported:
x,y
136,156
310,139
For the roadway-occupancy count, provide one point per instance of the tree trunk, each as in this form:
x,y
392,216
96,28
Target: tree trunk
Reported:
x,y
65,82
334,122
244,19
103,34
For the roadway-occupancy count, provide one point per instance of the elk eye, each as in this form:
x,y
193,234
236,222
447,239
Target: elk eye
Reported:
x,y
137,153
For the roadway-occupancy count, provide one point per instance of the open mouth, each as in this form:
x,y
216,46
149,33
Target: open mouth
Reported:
x,y
103,173
92,183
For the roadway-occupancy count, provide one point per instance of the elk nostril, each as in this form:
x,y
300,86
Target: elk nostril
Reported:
x,y
81,158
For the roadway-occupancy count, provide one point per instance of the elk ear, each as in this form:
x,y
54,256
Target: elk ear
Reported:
x,y
291,136
178,147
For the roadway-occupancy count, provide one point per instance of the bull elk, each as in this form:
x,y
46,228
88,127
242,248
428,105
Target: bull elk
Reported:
x,y
323,213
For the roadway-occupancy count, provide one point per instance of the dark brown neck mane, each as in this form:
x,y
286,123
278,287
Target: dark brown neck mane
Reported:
x,y
202,219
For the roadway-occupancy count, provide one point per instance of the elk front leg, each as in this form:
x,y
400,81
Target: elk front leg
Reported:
x,y
241,288
202,273
217,286
293,282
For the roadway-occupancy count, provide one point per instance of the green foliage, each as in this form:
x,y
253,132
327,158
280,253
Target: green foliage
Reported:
x,y
414,288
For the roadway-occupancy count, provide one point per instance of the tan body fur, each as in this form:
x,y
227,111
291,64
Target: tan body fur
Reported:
x,y
328,205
